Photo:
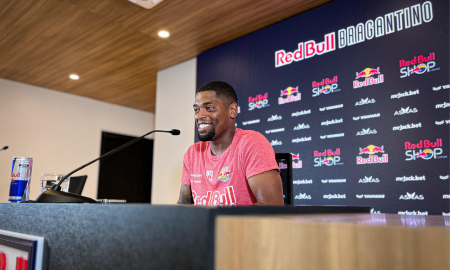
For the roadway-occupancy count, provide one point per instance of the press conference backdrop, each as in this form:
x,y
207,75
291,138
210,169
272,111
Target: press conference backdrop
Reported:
x,y
358,92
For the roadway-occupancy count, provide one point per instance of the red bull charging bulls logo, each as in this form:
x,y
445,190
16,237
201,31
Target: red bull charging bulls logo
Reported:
x,y
368,74
328,157
288,95
418,65
296,162
424,149
372,158
326,86
224,174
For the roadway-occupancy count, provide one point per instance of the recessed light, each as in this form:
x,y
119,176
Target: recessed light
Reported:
x,y
74,76
163,34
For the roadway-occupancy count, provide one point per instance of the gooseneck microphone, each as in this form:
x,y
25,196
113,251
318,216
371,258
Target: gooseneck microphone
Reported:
x,y
55,195
6,147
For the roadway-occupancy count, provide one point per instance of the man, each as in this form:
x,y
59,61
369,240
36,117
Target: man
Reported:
x,y
229,166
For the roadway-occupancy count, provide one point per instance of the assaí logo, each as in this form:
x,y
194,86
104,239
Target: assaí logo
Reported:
x,y
419,65
275,117
301,126
371,150
367,74
296,162
406,110
369,179
431,150
289,95
326,86
367,131
411,196
276,142
258,102
365,102
302,196
327,157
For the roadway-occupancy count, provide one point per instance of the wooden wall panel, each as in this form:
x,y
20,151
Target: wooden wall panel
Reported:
x,y
268,243
113,44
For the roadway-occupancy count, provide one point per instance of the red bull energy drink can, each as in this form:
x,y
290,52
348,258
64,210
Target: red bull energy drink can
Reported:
x,y
20,179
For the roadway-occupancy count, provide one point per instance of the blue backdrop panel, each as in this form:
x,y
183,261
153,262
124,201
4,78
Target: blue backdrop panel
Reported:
x,y
358,92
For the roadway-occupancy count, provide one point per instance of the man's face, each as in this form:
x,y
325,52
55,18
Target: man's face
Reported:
x,y
212,116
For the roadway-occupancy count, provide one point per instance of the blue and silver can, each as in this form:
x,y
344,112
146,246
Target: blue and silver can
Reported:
x,y
20,179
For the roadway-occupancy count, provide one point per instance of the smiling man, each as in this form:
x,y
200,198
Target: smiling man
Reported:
x,y
229,166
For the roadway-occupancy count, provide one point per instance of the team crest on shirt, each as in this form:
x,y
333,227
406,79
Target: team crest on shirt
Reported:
x,y
224,174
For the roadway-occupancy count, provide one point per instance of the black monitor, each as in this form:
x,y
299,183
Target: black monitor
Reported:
x,y
284,161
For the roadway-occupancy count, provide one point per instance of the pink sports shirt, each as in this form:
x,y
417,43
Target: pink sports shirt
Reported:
x,y
222,179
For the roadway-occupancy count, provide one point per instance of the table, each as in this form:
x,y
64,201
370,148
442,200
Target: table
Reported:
x,y
134,236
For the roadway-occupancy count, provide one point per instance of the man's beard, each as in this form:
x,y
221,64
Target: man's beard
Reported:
x,y
208,136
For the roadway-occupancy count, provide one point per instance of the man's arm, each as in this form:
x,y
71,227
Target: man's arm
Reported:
x,y
185,195
267,188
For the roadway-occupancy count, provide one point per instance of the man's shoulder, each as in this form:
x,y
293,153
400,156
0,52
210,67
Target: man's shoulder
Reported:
x,y
198,147
251,136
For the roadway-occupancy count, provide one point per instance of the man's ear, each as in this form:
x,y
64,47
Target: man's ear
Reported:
x,y
233,109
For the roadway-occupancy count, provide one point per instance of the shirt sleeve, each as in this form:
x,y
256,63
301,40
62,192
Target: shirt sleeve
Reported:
x,y
258,155
185,178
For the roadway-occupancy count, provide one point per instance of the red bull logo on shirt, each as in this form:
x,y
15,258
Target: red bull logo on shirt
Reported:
x,y
368,74
215,198
289,95
326,86
371,150
224,174
418,65
327,157
258,102
433,150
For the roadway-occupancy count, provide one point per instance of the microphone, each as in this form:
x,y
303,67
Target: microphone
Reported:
x,y
55,195
6,147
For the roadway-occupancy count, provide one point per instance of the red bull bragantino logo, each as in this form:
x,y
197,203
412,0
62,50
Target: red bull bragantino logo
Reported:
x,y
215,198
289,94
369,79
425,150
327,157
326,86
296,162
258,102
372,150
418,65
306,49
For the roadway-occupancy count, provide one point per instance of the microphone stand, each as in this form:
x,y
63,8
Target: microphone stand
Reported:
x,y
55,195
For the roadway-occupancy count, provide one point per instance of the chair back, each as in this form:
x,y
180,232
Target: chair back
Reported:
x,y
285,164
76,184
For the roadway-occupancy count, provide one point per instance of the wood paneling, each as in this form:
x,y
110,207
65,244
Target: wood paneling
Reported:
x,y
113,44
332,242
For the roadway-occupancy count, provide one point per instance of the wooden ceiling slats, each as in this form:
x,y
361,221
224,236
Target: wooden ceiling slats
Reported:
x,y
113,44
